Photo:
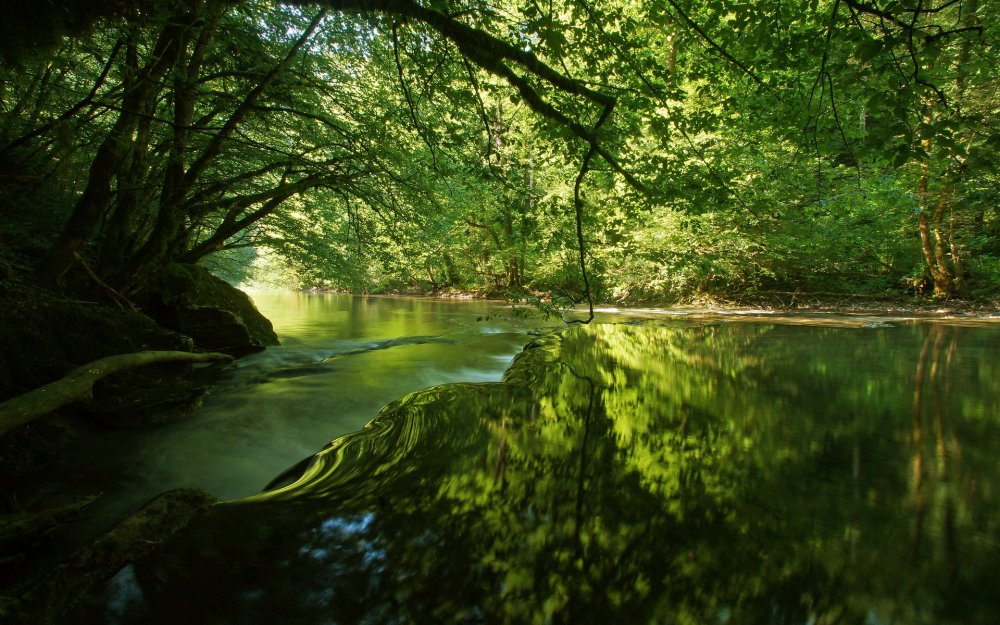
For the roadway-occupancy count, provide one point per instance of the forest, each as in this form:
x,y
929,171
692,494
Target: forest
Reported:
x,y
157,156
618,150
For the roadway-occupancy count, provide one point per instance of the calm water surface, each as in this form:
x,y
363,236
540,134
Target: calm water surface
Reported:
x,y
796,470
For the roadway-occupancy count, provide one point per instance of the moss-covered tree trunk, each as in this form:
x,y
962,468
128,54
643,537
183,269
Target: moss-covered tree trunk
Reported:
x,y
932,239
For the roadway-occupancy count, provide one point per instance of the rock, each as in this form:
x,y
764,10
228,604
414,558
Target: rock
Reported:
x,y
216,315
49,597
216,329
45,336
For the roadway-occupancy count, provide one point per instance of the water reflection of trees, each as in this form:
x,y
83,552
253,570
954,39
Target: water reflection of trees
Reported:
x,y
949,495
637,474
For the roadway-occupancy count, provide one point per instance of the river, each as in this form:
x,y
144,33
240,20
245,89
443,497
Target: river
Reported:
x,y
671,467
341,359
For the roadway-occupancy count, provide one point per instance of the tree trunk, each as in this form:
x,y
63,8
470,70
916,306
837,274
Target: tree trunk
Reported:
x,y
944,283
956,254
451,272
931,239
118,238
167,239
941,252
139,99
513,279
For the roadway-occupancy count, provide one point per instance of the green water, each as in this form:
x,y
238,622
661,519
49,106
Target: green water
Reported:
x,y
342,358
664,472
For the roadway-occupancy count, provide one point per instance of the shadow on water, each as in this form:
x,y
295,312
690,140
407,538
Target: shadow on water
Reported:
x,y
730,473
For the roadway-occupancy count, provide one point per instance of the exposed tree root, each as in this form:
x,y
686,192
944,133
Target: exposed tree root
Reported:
x,y
78,384
119,299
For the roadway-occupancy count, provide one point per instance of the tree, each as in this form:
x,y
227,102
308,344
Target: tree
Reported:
x,y
686,148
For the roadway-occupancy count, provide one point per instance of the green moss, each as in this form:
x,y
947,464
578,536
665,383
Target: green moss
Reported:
x,y
184,289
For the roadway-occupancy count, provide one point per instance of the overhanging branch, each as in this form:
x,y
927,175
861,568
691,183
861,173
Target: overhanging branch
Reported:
x,y
496,56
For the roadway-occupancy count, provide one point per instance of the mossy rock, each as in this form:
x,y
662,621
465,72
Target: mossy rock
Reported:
x,y
61,594
45,336
216,315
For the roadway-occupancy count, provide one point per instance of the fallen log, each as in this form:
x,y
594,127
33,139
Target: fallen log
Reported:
x,y
78,384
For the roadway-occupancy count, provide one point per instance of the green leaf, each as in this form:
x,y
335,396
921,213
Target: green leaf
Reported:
x,y
868,49
902,156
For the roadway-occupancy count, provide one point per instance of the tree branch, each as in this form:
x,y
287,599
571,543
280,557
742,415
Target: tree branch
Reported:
x,y
701,33
492,54
73,110
411,104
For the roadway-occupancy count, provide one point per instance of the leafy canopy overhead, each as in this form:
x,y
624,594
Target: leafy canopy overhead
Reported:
x,y
668,149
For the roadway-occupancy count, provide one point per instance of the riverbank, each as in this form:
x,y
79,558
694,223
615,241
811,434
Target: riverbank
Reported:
x,y
840,303
774,301
68,344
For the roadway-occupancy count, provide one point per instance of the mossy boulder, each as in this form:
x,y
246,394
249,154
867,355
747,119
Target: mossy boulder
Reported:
x,y
216,315
45,336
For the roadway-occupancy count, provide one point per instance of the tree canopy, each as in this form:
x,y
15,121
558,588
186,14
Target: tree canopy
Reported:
x,y
617,149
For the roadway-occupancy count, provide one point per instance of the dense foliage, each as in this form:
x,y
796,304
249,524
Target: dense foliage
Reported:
x,y
679,149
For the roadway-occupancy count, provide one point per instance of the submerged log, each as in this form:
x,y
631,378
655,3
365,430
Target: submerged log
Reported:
x,y
78,384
